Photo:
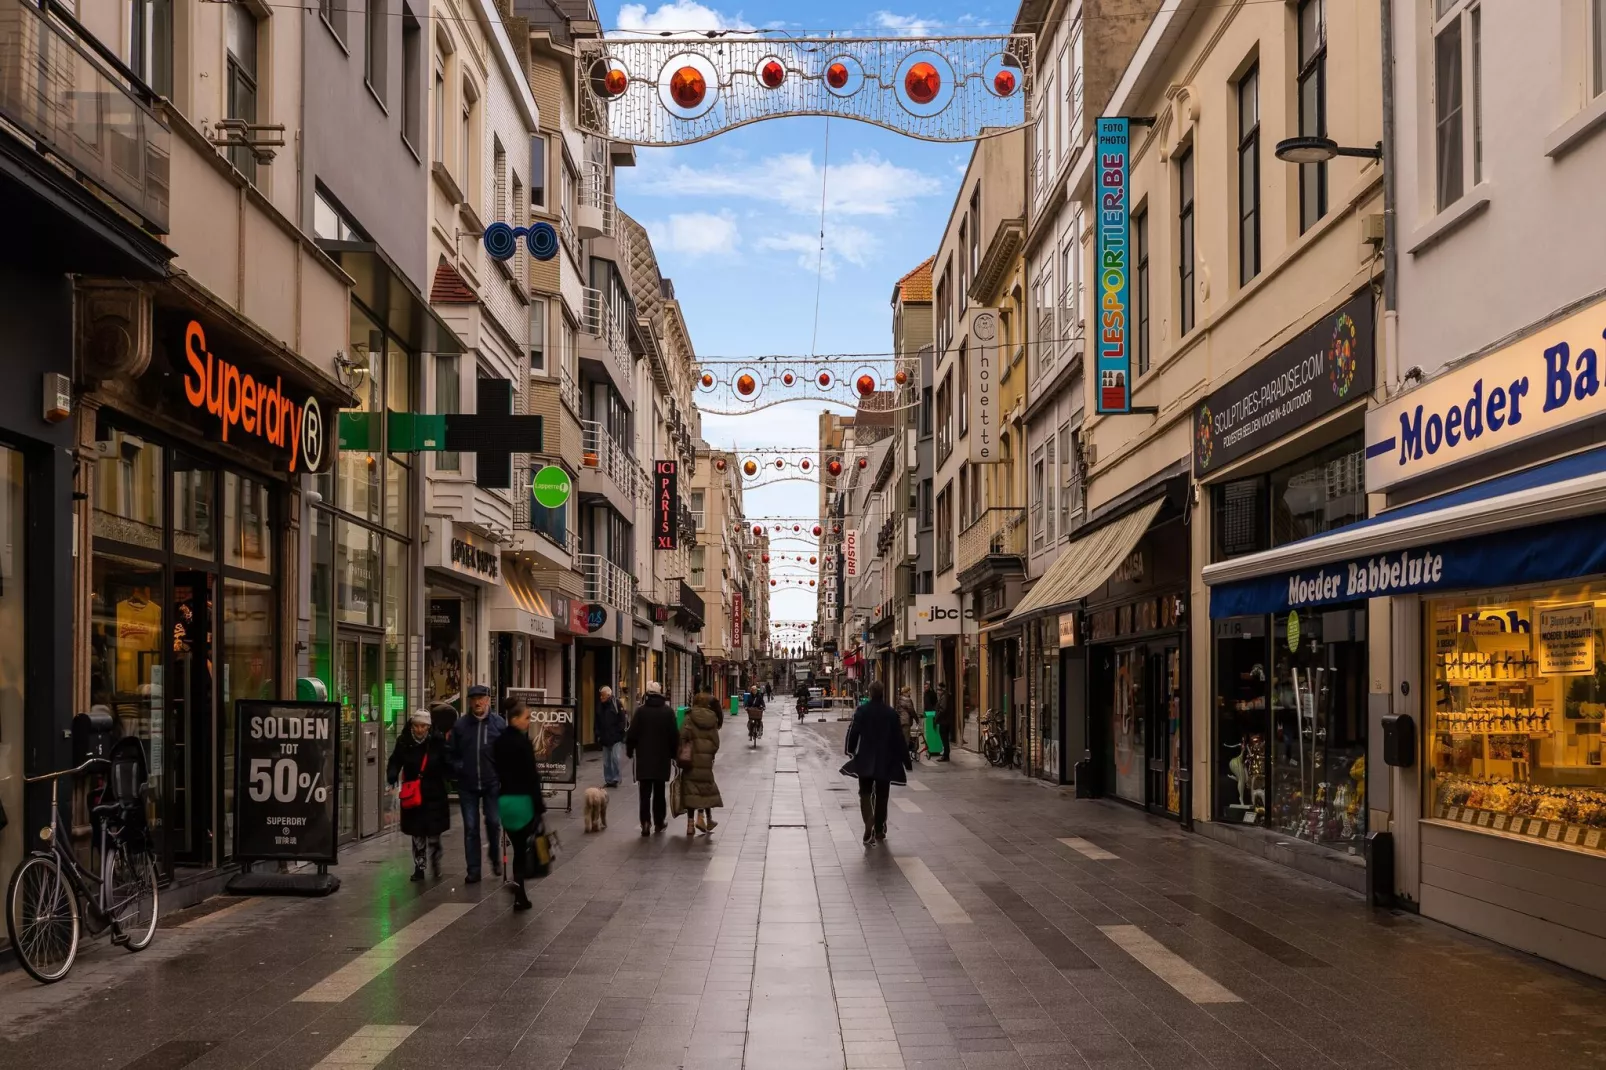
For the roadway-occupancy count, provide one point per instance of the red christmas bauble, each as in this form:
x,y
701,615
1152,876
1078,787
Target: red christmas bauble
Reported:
x,y
864,462
816,530
750,467
836,75
758,529
615,82
688,87
780,462
720,464
772,74
834,467
1004,83
708,379
866,385
746,384
825,380
922,83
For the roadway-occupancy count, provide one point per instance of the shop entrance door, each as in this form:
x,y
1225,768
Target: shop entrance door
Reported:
x,y
1163,716
191,720
358,686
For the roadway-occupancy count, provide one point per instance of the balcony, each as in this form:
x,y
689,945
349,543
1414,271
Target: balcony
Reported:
x,y
684,604
607,583
607,469
541,532
596,216
606,341
995,541
60,86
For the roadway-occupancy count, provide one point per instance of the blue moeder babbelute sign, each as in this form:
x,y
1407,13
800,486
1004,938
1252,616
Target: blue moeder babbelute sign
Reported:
x,y
1558,551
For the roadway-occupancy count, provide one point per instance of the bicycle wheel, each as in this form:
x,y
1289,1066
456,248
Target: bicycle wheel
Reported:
x,y
42,918
991,750
133,906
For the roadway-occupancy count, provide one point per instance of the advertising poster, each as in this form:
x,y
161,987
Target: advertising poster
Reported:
x,y
1567,640
443,651
1111,176
286,774
553,736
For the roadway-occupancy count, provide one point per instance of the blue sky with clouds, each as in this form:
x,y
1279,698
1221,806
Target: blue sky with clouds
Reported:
x,y
735,221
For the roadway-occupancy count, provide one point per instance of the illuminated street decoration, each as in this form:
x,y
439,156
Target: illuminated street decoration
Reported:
x,y
679,90
865,384
764,467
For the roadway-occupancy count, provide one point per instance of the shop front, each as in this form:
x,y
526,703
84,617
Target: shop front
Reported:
x,y
192,582
462,574
524,647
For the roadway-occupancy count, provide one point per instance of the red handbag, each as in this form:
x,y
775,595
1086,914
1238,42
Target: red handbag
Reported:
x,y
411,794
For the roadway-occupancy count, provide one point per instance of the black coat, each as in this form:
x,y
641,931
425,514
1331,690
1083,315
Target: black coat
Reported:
x,y
877,744
610,723
930,700
435,815
945,712
514,758
653,738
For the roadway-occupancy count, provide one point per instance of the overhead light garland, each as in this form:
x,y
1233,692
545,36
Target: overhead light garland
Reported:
x,y
735,387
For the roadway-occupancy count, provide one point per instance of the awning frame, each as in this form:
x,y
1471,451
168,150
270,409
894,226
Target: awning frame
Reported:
x,y
1078,581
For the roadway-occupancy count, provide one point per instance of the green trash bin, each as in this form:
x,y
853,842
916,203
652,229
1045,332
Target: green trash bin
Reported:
x,y
736,705
933,737
680,715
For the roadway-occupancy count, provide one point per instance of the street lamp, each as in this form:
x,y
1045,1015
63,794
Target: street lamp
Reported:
x,y
1320,150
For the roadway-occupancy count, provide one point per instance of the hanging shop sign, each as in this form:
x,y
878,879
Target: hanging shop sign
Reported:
x,y
983,412
249,407
550,487
1112,174
552,736
1067,630
850,553
1541,384
579,618
453,548
666,505
736,620
596,617
286,781
1567,640
1328,366
940,614
1563,550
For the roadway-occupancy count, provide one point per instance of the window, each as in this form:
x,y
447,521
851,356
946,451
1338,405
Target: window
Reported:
x,y
1039,489
538,172
1249,176
925,412
412,108
516,200
448,399
329,222
1457,33
242,88
1140,298
465,143
945,529
925,503
1050,508
498,179
1044,348
1069,327
1073,91
697,505
699,564
973,250
150,40
1066,466
537,336
1312,108
945,307
438,96
964,263
963,367
375,59
334,17
1047,120
1187,310
945,417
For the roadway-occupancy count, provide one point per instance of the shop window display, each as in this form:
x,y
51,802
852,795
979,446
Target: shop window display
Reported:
x,y
1519,699
1317,762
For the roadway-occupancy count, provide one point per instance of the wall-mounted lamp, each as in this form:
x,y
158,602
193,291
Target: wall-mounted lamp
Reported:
x,y
1320,150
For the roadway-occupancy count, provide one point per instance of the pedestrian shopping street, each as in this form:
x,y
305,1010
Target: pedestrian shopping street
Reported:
x,y
1003,924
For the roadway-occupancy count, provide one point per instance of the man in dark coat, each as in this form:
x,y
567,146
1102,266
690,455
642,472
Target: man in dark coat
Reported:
x,y
879,753
421,756
652,740
945,722
610,735
477,786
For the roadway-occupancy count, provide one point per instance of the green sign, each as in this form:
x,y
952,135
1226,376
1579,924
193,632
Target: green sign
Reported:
x,y
405,432
1293,631
551,486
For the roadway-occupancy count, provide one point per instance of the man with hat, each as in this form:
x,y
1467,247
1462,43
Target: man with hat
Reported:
x,y
477,786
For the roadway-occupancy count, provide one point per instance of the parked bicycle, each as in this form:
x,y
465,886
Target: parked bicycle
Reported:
x,y
52,898
998,745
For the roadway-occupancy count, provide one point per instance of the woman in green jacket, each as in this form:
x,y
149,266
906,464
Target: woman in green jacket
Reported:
x,y
699,792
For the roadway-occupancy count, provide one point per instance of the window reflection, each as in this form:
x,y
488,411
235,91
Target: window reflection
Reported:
x,y
194,507
246,523
128,489
356,574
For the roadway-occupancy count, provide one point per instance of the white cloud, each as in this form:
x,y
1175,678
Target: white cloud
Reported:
x,y
906,25
697,233
842,242
866,185
678,16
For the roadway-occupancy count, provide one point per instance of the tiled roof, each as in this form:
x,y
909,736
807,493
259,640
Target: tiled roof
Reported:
x,y
915,287
449,287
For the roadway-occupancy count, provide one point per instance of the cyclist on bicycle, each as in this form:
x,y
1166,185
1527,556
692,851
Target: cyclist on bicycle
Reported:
x,y
755,714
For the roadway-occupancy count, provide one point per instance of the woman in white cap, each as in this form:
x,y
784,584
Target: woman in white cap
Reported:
x,y
419,765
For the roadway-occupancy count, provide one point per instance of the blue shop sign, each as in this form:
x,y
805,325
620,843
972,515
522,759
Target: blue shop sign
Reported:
x,y
1563,550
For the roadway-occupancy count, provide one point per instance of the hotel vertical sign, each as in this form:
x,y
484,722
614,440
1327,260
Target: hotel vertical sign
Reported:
x,y
665,505
1113,361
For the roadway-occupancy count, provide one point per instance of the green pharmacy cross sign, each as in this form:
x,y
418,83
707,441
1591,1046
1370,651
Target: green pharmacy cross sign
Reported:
x,y
493,434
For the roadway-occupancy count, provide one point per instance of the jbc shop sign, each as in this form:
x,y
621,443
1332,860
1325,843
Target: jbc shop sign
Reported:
x,y
253,411
286,776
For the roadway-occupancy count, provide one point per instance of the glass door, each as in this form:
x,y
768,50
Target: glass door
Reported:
x,y
190,718
357,688
1164,716
1127,739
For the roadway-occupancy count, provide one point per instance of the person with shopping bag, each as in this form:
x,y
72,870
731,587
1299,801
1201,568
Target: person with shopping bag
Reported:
x,y
878,754
652,742
417,771
699,743
520,802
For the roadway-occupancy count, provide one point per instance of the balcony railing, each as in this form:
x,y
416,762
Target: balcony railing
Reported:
x,y
997,532
530,515
58,84
607,583
569,391
594,193
603,453
600,322
566,231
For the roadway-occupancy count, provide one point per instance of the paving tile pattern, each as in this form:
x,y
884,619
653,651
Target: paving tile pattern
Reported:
x,y
1002,924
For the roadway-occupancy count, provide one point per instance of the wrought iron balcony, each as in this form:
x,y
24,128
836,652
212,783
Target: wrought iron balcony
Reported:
x,y
529,515
73,96
601,322
604,454
607,583
997,536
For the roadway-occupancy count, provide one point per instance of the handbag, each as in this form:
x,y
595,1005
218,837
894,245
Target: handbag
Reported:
x,y
541,852
411,795
684,754
677,797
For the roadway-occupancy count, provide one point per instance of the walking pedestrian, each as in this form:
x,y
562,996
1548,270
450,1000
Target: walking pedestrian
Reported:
x,y
908,719
611,726
420,757
652,740
477,785
519,805
879,757
699,792
945,722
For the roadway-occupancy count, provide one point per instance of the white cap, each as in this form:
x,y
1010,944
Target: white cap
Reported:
x,y
418,716
654,687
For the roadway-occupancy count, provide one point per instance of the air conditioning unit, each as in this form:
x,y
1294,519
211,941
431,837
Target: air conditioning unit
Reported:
x,y
1085,447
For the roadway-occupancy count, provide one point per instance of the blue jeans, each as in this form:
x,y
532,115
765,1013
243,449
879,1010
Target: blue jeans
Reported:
x,y
612,754
471,802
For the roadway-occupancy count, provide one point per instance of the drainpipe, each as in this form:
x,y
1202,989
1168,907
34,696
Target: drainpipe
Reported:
x,y
1391,315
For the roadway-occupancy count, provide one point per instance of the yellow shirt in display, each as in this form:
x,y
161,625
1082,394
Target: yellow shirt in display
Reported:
x,y
139,631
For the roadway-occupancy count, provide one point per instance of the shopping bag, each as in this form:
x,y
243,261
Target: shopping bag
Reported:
x,y
411,795
677,794
542,851
683,756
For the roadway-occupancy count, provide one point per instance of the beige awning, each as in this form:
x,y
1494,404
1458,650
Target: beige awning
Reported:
x,y
1086,563
517,606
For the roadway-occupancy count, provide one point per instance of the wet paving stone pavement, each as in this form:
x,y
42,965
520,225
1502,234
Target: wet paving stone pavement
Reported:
x,y
1002,924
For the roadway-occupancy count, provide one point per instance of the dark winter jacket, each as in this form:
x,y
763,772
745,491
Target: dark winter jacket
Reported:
x,y
472,740
610,723
906,715
514,758
701,729
930,700
945,712
879,749
653,738
429,754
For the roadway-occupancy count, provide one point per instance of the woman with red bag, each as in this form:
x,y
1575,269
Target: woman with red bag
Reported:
x,y
419,765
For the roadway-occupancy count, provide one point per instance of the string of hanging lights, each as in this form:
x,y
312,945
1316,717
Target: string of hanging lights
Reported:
x,y
734,387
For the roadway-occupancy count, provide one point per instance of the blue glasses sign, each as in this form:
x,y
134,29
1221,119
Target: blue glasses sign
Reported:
x,y
502,241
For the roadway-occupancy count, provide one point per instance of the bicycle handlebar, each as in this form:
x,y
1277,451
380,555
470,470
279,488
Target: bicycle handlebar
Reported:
x,y
65,772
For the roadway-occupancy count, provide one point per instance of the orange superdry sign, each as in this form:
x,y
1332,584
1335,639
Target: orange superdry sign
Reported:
x,y
253,412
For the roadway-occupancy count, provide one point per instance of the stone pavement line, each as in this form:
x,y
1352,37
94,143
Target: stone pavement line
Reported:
x,y
905,805
345,982
366,1048
1167,965
943,907
916,785
1088,850
721,869
221,915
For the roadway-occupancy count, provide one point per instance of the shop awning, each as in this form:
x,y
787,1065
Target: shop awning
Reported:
x,y
1085,563
1543,524
517,606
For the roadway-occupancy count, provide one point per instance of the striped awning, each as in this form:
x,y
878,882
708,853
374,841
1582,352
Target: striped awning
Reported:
x,y
1086,563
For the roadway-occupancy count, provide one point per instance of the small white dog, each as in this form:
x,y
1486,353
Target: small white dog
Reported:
x,y
596,809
